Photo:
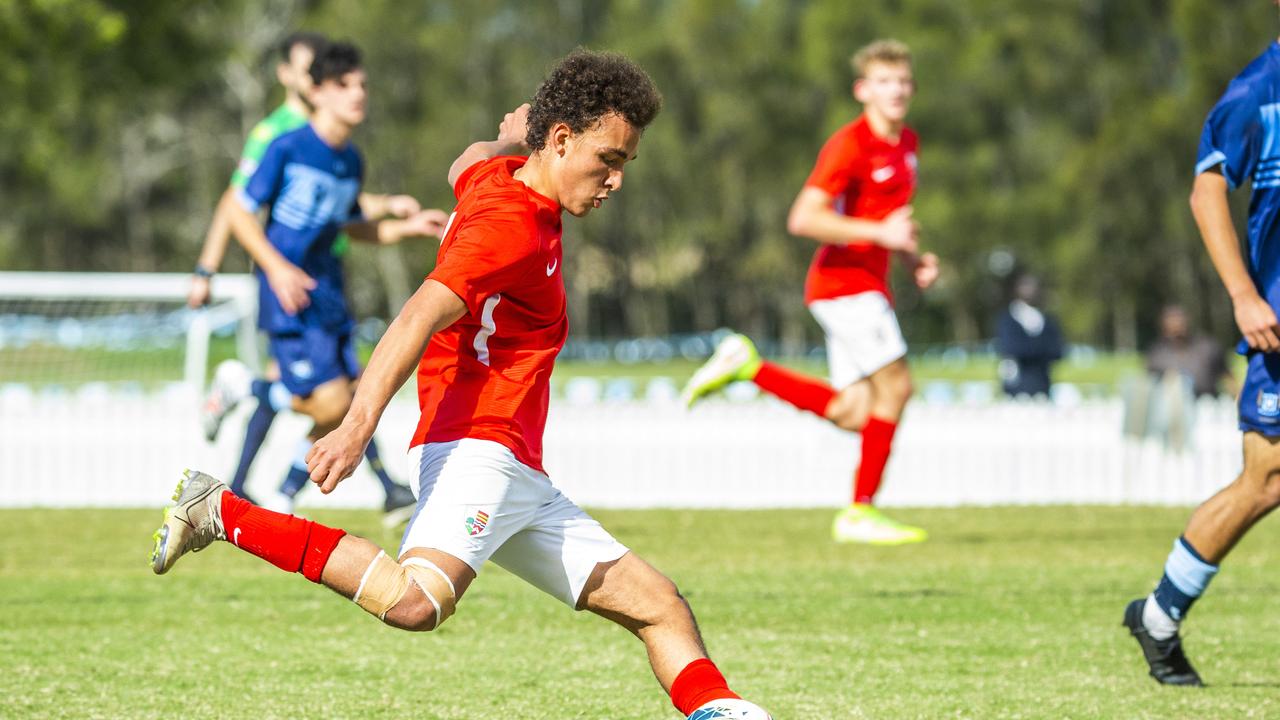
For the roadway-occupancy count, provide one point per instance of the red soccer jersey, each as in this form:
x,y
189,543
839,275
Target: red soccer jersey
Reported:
x,y
487,376
869,177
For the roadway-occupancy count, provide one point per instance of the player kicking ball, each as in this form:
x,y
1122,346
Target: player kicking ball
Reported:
x,y
856,204
1240,143
483,332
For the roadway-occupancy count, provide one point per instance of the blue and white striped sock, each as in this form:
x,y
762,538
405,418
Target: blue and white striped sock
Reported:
x,y
1186,575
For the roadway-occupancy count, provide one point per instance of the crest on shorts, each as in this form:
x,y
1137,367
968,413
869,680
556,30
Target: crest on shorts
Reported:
x,y
477,523
1268,404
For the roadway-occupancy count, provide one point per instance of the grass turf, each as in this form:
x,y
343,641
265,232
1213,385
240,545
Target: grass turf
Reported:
x,y
1004,613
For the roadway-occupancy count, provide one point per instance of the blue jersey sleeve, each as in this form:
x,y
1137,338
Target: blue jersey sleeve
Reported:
x,y
1232,136
355,214
267,181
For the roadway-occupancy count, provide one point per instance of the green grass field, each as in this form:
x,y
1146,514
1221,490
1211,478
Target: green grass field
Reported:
x,y
1004,613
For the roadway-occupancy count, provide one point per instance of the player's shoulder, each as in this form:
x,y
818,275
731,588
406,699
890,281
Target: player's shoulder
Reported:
x,y
1261,77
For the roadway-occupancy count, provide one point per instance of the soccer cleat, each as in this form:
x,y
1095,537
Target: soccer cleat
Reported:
x,y
730,709
1165,660
192,523
735,359
399,506
232,382
860,523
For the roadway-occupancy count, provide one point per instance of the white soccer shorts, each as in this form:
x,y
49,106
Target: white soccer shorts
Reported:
x,y
862,335
477,502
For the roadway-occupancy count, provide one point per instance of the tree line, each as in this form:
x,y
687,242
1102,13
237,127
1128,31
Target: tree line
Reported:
x,y
1059,134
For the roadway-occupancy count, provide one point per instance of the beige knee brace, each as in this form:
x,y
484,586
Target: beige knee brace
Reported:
x,y
385,582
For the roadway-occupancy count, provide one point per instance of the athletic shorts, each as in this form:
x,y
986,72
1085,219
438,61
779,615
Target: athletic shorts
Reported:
x,y
477,502
862,335
1260,395
313,357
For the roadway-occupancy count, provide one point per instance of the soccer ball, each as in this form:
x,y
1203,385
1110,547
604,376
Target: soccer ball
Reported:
x,y
730,709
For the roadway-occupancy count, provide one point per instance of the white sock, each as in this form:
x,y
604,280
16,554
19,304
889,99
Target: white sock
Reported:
x,y
1158,624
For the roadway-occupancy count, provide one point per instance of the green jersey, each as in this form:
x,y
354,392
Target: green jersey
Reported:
x,y
284,119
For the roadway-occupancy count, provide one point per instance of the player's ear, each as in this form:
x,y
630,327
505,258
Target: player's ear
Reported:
x,y
282,73
859,90
558,138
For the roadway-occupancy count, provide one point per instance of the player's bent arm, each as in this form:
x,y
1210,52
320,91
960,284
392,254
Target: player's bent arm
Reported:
x,y
432,308
813,217
424,223
288,281
377,206
510,141
1254,316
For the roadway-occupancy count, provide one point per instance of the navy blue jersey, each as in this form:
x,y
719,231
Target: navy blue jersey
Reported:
x,y
312,190
1242,137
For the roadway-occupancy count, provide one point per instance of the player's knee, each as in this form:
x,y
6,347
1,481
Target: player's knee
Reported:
x,y
1268,493
413,595
663,602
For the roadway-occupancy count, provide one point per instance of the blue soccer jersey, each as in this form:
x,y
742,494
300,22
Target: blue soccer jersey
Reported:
x,y
312,190
1241,139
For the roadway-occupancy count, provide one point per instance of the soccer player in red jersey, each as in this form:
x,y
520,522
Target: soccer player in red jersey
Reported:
x,y
857,205
483,332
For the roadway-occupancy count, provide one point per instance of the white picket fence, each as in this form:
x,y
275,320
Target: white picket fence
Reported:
x,y
102,448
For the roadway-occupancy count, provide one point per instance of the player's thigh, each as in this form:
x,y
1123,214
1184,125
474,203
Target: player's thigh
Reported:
x,y
312,358
559,550
633,593
473,496
862,335
1261,473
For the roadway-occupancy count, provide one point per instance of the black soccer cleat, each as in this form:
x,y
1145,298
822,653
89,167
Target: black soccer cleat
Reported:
x,y
1165,659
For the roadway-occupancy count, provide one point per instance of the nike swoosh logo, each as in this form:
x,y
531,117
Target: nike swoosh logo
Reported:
x,y
235,538
551,267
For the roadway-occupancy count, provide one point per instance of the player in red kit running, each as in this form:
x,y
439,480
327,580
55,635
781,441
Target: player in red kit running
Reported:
x,y
856,204
483,332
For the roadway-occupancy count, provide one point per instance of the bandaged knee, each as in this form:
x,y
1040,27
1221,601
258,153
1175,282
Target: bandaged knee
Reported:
x,y
385,583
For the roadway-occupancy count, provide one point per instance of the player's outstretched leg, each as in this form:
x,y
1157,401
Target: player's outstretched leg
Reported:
x,y
416,593
633,594
735,359
232,381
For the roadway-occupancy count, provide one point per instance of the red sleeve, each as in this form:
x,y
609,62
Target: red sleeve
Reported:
x,y
465,180
491,250
837,166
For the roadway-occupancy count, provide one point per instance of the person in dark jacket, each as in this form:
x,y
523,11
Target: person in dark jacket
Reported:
x,y
1028,340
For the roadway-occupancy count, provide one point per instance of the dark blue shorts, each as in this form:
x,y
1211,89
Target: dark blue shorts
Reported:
x,y
1260,396
314,357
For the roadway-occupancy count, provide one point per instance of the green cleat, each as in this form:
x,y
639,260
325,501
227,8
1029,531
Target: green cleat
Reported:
x,y
734,360
865,524
192,523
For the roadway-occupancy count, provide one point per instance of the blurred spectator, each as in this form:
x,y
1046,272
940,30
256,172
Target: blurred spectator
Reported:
x,y
1186,354
1028,340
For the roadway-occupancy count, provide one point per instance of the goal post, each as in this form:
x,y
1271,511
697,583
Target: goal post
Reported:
x,y
75,328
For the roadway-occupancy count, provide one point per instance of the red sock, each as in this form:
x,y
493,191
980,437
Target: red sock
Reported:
x,y
802,391
699,683
877,438
286,541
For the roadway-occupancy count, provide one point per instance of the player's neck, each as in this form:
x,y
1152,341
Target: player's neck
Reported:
x,y
535,174
331,130
294,102
882,127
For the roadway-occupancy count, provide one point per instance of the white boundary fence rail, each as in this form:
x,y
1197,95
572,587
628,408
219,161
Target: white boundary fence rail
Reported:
x,y
104,448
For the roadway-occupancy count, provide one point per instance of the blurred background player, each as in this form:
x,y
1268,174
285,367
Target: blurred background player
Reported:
x,y
228,388
856,204
1240,143
1028,340
310,179
483,332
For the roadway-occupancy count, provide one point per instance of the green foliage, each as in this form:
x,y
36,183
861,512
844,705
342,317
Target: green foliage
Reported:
x,y
1061,131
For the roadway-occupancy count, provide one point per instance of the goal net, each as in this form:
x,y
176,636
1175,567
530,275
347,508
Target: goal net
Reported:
x,y
68,330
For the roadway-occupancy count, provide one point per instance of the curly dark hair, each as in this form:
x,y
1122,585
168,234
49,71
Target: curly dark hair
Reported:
x,y
584,87
333,61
